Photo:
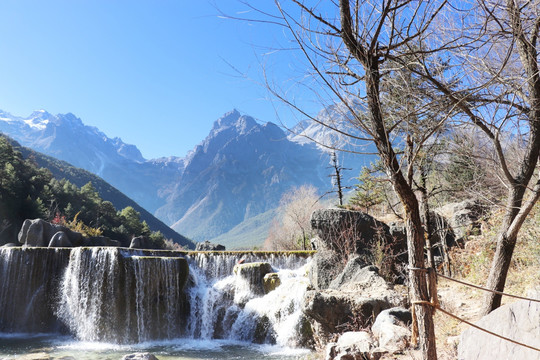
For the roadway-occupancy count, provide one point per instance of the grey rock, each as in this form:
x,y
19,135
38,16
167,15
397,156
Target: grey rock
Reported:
x,y
325,266
38,233
140,356
254,274
391,331
355,271
208,246
351,345
519,321
141,242
463,217
60,239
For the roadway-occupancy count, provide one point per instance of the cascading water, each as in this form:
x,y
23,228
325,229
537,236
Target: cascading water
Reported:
x,y
113,296
29,276
225,305
125,296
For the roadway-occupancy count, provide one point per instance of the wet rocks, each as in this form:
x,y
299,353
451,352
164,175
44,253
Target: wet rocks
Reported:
x,y
254,274
270,282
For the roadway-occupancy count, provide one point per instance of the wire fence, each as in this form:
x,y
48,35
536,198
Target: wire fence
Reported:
x,y
435,304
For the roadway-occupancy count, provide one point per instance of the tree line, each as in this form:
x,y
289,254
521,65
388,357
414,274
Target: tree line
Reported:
x,y
28,192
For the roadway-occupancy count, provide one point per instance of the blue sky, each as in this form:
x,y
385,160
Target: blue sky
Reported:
x,y
155,73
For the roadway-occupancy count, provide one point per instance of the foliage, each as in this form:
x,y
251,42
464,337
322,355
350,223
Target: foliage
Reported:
x,y
369,192
28,192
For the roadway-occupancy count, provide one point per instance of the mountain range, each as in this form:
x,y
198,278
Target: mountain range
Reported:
x,y
227,188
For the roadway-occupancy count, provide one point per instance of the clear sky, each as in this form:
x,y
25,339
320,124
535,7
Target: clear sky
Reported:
x,y
156,73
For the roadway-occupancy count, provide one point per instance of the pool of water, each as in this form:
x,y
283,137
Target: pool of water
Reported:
x,y
13,346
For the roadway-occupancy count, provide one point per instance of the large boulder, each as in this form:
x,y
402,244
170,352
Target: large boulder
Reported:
x,y
60,239
349,231
208,246
270,282
463,217
38,233
519,321
391,330
352,345
141,242
254,274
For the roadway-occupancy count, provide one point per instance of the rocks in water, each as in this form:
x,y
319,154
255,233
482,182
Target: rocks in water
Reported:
x,y
60,239
270,282
140,356
254,274
519,321
35,356
391,330
39,233
352,345
208,246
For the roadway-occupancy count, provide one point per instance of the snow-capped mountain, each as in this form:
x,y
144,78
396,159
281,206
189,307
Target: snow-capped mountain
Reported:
x,y
240,170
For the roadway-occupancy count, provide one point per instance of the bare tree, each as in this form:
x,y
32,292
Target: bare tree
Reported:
x,y
292,229
493,82
352,47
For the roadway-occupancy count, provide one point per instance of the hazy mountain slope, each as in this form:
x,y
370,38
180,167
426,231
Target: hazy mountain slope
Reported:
x,y
61,169
65,137
240,170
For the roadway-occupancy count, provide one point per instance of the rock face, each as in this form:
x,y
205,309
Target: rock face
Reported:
x,y
463,217
254,274
39,233
353,299
335,227
519,321
325,266
208,246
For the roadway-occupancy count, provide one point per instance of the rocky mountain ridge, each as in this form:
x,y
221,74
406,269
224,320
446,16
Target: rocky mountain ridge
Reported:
x,y
240,170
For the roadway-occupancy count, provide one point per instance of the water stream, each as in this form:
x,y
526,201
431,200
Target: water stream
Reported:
x,y
92,303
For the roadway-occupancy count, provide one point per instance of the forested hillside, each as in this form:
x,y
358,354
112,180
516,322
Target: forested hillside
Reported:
x,y
34,185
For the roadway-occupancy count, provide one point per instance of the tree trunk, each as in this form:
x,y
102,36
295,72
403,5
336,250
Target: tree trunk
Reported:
x,y
415,231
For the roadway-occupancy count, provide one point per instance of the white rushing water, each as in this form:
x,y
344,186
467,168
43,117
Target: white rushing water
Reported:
x,y
225,305
126,297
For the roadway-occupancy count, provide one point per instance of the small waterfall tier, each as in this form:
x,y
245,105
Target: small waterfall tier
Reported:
x,y
228,300
115,296
126,296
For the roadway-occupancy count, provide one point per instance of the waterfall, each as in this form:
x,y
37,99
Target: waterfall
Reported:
x,y
110,295
28,279
224,305
127,296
